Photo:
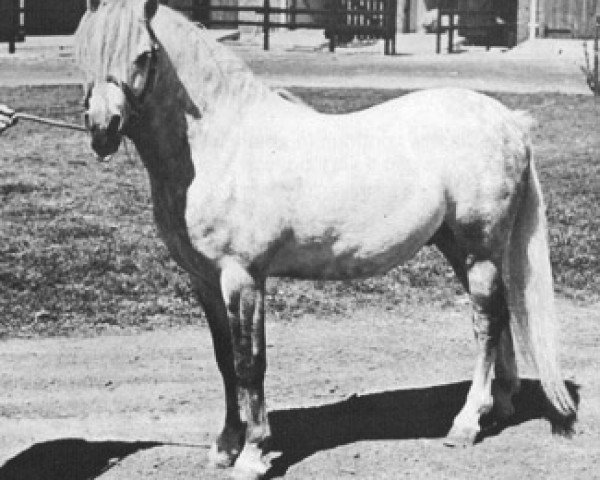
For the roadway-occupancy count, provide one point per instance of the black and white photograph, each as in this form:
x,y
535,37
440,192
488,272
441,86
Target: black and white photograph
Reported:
x,y
299,239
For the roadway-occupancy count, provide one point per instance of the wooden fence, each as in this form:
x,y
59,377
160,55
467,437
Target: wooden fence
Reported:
x,y
341,19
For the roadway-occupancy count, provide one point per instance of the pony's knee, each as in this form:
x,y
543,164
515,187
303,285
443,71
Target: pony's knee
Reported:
x,y
235,284
484,281
487,295
243,298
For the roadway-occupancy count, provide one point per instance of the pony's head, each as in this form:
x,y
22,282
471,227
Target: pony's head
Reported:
x,y
117,51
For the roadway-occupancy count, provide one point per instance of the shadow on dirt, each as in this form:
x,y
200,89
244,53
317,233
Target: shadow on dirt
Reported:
x,y
298,433
72,459
402,414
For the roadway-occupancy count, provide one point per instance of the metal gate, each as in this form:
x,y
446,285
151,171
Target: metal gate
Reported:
x,y
364,19
570,18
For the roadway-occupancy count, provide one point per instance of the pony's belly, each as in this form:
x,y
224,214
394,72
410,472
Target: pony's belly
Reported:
x,y
320,264
326,262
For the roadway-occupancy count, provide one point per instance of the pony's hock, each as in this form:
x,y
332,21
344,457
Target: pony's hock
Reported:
x,y
247,185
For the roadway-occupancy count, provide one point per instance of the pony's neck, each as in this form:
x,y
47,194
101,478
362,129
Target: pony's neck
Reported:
x,y
201,92
212,77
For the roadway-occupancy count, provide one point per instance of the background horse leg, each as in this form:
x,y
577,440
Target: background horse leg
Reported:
x,y
489,307
244,299
229,443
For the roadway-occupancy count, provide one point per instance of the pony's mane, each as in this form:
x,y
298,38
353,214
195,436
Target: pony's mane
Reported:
x,y
210,71
173,28
104,39
207,64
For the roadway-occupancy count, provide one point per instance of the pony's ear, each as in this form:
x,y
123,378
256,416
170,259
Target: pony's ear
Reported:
x,y
150,8
93,5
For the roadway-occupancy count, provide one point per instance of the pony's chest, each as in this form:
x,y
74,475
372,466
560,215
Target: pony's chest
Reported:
x,y
228,216
169,214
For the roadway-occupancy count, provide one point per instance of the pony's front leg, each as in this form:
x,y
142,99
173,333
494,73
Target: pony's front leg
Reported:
x,y
244,299
230,441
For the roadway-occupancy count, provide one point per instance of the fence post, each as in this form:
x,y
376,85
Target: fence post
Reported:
x,y
293,14
12,25
266,23
195,11
597,33
451,32
393,25
386,26
438,34
333,19
389,26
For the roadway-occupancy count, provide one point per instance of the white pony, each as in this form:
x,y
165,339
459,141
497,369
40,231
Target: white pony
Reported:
x,y
247,185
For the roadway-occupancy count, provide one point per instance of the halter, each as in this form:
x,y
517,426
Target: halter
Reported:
x,y
134,101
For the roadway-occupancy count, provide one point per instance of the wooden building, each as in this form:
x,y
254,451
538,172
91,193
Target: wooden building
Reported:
x,y
570,18
512,19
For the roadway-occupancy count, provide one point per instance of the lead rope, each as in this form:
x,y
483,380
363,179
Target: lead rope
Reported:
x,y
49,121
70,126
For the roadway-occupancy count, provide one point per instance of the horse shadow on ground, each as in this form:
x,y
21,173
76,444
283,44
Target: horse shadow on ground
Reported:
x,y
400,415
299,433
69,459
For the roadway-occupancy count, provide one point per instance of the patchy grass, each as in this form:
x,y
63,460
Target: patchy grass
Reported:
x,y
79,253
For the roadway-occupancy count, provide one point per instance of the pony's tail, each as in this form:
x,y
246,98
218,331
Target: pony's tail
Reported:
x,y
528,277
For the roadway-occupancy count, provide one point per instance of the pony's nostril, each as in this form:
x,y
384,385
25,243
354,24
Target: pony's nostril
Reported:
x,y
113,126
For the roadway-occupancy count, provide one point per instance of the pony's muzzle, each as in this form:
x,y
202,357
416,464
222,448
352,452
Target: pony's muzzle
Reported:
x,y
106,141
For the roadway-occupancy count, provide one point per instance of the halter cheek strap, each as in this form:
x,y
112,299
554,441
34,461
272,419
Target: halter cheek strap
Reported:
x,y
136,101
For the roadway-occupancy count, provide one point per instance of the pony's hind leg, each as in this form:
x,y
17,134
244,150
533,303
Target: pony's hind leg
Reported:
x,y
489,318
507,381
483,281
230,441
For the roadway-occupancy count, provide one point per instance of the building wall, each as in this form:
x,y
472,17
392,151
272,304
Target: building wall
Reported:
x,y
571,18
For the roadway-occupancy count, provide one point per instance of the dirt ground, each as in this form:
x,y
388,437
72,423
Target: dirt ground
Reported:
x,y
148,405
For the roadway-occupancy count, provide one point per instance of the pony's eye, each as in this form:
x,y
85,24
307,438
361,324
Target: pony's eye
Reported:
x,y
142,60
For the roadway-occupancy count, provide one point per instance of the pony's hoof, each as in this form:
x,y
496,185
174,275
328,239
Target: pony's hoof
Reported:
x,y
461,437
221,458
250,466
504,410
227,446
